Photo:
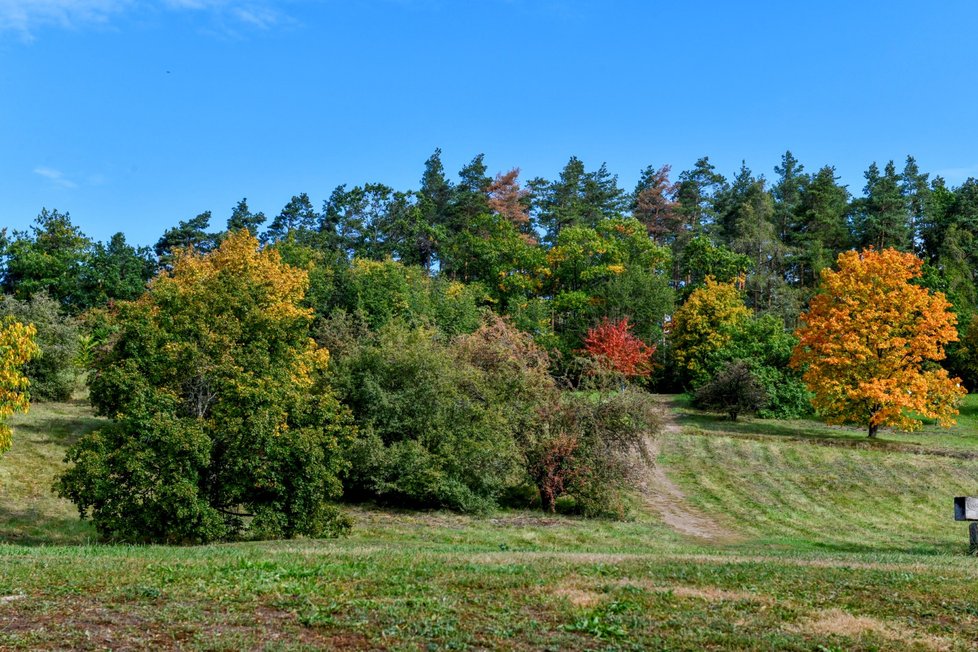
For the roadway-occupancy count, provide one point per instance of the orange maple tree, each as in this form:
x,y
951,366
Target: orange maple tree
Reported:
x,y
615,347
870,343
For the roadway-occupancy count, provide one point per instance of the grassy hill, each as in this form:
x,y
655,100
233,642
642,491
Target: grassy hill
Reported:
x,y
823,541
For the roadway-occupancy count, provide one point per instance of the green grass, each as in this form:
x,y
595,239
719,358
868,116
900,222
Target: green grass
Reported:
x,y
29,512
833,544
962,438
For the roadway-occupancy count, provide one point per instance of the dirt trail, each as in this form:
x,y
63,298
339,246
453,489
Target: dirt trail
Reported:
x,y
661,494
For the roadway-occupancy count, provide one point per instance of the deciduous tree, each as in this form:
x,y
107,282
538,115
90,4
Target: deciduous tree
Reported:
x,y
17,347
613,345
704,324
870,343
219,407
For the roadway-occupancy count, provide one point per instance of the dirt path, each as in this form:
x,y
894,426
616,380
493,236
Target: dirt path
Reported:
x,y
662,494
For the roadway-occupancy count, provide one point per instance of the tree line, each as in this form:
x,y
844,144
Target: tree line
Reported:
x,y
463,345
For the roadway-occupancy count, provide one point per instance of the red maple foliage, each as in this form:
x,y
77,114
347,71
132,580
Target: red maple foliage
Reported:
x,y
613,345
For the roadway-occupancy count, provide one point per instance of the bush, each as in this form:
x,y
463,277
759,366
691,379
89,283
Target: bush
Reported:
x,y
733,391
583,447
433,430
53,373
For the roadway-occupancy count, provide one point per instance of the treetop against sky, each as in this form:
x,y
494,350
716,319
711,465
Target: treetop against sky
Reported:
x,y
133,115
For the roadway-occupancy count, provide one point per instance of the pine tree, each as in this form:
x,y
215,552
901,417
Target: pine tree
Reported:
x,y
243,218
880,217
654,205
297,218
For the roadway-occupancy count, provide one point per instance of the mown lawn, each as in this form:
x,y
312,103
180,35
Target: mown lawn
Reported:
x,y
825,547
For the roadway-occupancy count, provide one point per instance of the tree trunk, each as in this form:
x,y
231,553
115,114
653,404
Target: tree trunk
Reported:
x,y
872,431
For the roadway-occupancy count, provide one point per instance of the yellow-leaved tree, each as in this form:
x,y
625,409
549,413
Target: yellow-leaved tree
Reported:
x,y
870,344
17,347
703,325
222,422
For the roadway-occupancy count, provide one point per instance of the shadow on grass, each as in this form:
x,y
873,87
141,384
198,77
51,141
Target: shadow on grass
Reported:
x,y
45,427
34,527
809,432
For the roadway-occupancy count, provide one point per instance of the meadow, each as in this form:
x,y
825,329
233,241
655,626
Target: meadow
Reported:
x,y
817,539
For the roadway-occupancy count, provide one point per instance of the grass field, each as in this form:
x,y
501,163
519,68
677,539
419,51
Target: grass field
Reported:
x,y
825,542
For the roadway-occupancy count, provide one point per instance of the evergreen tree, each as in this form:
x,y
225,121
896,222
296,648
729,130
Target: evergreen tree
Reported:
x,y
695,191
297,218
577,198
186,234
787,192
243,218
822,231
880,217
916,194
116,271
654,205
356,219
50,258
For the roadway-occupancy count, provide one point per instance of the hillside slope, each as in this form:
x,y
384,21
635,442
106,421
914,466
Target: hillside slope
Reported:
x,y
839,543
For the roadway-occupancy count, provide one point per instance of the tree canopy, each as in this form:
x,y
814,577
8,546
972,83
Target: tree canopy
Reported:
x,y
870,343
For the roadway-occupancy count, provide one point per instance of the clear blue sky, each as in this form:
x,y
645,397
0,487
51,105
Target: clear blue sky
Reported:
x,y
133,115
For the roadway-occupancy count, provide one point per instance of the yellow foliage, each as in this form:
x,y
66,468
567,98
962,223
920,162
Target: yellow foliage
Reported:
x,y
199,281
702,325
870,341
17,347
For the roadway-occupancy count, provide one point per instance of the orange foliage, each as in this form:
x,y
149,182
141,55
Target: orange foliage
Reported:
x,y
870,341
508,199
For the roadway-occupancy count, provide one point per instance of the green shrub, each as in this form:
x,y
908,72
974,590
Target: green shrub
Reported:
x,y
431,433
54,372
765,346
735,390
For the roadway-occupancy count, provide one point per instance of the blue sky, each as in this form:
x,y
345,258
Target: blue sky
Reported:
x,y
135,114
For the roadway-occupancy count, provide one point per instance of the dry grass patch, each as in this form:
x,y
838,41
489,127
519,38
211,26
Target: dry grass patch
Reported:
x,y
836,622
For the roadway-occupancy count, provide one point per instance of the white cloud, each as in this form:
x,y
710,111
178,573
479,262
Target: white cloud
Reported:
x,y
56,177
26,16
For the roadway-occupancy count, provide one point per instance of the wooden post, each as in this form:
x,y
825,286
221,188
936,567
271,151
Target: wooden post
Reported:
x,y
973,538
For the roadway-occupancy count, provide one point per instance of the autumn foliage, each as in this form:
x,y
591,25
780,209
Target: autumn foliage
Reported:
x,y
703,325
870,341
17,347
613,345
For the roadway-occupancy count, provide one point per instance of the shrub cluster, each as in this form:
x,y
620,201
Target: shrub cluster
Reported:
x,y
461,422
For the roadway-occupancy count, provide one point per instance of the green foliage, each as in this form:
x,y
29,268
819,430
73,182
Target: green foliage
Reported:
x,y
50,258
115,271
222,424
434,429
187,234
383,291
53,372
733,391
702,259
765,346
965,356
